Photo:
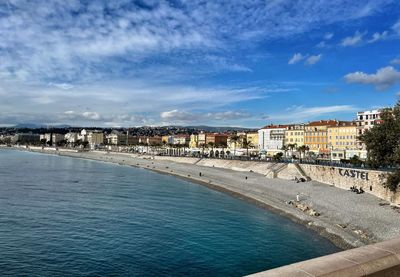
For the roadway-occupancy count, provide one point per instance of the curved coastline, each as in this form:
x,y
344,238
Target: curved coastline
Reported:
x,y
248,186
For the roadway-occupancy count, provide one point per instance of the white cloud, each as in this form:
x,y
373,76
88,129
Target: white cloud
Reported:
x,y
328,36
396,27
313,59
92,115
64,86
383,78
395,61
356,39
379,36
321,44
296,58
179,116
296,114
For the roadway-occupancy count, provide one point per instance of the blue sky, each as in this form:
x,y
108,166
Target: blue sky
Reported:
x,y
231,63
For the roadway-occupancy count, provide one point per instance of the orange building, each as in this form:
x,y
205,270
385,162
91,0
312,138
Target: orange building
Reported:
x,y
219,140
316,135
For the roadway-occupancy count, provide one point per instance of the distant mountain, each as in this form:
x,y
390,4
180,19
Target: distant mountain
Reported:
x,y
218,129
38,126
28,126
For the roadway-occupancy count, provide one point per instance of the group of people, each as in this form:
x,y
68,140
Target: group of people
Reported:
x,y
356,190
298,180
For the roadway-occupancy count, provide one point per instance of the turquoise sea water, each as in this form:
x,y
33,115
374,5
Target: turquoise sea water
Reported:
x,y
63,216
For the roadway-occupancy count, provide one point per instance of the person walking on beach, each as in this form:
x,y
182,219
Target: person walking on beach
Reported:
x,y
298,197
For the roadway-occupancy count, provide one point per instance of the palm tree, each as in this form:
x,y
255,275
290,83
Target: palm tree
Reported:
x,y
211,144
285,148
235,139
291,147
247,144
303,149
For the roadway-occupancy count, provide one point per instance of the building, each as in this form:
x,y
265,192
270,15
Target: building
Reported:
x,y
341,139
95,139
252,139
365,121
156,140
46,137
316,136
194,141
26,138
119,138
83,135
181,139
271,138
57,138
71,137
167,139
201,139
294,135
219,140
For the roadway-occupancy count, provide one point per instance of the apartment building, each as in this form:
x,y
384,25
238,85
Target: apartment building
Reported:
x,y
252,139
219,140
95,138
365,121
201,139
271,138
342,139
194,141
181,139
316,136
294,135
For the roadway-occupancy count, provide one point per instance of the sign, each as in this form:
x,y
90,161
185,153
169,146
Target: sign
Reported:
x,y
354,174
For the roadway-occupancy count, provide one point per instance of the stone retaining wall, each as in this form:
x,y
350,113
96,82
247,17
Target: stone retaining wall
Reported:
x,y
370,180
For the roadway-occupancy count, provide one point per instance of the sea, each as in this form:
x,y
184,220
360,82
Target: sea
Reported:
x,y
63,216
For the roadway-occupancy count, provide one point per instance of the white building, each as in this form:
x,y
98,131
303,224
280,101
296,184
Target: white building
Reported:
x,y
271,138
71,137
83,135
46,137
365,121
181,139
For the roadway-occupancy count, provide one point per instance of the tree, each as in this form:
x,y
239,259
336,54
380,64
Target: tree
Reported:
x,y
381,141
211,144
285,148
291,147
303,149
235,139
277,157
383,144
355,160
247,144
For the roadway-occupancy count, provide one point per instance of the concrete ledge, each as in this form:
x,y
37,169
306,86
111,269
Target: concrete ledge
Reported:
x,y
381,259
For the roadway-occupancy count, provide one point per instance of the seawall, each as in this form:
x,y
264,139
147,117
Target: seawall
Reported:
x,y
380,259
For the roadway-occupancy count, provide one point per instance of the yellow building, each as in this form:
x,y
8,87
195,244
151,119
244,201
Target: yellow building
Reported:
x,y
252,138
343,136
316,136
201,139
294,135
194,141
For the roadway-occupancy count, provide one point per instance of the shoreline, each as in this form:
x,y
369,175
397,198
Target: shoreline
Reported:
x,y
214,178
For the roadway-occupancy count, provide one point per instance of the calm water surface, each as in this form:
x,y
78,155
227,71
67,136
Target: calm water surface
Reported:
x,y
65,216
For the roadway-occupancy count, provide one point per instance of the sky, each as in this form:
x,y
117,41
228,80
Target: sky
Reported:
x,y
191,62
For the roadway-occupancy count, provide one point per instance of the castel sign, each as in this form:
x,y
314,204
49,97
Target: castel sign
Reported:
x,y
351,173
